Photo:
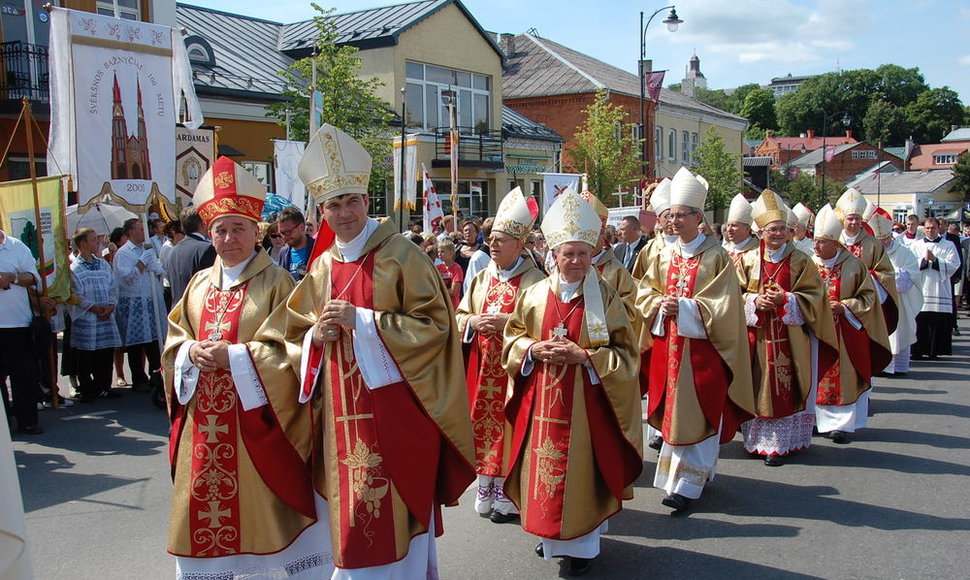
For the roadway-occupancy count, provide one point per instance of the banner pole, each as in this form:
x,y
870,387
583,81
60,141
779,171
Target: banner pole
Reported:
x,y
155,305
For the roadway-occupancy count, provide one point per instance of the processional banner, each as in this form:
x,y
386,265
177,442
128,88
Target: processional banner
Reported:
x,y
195,151
18,219
116,89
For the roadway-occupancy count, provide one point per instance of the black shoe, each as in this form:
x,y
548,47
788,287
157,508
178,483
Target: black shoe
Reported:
x,y
656,442
676,501
774,460
498,517
840,437
109,394
539,551
579,566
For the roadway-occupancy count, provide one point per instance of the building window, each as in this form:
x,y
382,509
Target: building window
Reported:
x,y
685,157
899,215
658,143
425,109
261,170
944,158
672,144
693,147
127,9
864,154
472,197
19,167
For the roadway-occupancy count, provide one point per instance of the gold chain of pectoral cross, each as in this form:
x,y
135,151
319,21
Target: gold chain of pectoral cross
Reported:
x,y
215,328
560,329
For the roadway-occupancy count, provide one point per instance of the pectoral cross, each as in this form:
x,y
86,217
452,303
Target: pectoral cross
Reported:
x,y
560,331
215,329
214,515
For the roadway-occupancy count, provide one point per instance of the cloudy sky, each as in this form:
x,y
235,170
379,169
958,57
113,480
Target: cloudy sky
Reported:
x,y
738,42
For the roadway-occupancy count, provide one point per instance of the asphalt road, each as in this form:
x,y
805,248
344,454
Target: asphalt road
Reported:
x,y
893,504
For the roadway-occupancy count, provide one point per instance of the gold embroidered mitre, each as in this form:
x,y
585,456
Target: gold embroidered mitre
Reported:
x,y
828,226
851,202
594,202
334,164
516,215
769,207
687,189
228,189
881,223
570,219
740,210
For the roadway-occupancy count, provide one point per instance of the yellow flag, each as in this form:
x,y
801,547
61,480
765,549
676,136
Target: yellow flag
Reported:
x,y
18,219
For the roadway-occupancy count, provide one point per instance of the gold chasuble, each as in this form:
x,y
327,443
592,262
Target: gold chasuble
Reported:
x,y
697,383
738,252
613,272
874,257
489,386
779,340
385,459
577,446
242,485
653,246
863,351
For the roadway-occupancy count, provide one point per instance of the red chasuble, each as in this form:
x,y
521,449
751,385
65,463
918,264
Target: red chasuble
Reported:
x,y
710,373
549,431
218,420
778,356
383,451
852,341
488,383
890,311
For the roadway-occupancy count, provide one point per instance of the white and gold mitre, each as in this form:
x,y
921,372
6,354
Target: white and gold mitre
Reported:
x,y
660,198
851,202
601,210
828,226
740,210
515,215
570,219
881,223
769,207
334,164
803,214
686,189
870,209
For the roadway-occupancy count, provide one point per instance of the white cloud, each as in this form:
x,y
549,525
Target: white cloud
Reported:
x,y
964,60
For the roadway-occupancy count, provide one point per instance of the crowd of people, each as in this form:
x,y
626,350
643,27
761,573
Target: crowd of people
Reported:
x,y
536,361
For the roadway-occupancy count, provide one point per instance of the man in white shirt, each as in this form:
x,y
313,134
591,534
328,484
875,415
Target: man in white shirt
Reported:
x,y
18,270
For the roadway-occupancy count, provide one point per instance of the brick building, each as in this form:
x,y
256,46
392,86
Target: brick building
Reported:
x,y
846,162
783,150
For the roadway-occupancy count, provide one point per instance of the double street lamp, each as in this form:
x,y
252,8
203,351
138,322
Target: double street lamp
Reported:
x,y
846,121
672,22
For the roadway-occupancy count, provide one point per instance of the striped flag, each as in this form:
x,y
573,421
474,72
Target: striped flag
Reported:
x,y
433,213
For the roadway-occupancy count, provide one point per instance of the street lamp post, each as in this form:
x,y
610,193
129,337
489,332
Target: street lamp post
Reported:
x,y
672,22
846,121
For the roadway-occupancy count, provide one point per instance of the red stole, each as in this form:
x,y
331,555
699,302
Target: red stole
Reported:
x,y
218,421
384,440
890,312
711,380
778,356
488,383
855,341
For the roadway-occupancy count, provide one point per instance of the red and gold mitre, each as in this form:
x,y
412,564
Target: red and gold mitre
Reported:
x,y
594,202
227,189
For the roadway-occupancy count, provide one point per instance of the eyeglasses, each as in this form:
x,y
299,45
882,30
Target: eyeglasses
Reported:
x,y
777,230
679,216
274,236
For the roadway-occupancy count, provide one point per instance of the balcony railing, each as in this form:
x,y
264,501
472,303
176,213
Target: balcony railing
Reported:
x,y
476,149
24,71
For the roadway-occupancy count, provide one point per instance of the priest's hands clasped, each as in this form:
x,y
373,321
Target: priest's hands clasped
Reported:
x,y
560,351
336,314
770,300
210,355
489,324
669,306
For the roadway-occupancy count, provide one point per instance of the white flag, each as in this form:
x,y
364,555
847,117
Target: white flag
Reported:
x,y
555,183
433,213
116,88
287,155
410,172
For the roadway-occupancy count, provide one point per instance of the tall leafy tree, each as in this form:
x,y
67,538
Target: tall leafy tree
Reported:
x,y
962,173
349,101
759,109
932,113
719,168
800,188
604,148
897,85
885,123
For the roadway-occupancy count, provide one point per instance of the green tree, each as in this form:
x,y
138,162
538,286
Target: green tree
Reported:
x,y
740,94
719,168
716,98
885,123
349,102
898,85
604,148
961,172
802,188
759,109
932,113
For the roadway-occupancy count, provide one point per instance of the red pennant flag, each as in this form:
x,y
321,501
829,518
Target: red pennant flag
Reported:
x,y
654,81
325,238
